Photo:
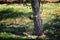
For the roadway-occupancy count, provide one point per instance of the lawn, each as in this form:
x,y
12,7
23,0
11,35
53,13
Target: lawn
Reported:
x,y
14,20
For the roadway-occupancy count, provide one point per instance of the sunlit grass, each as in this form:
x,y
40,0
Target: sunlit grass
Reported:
x,y
18,16
48,8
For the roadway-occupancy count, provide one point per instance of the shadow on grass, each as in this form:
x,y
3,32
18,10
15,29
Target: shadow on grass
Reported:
x,y
17,39
13,30
54,23
53,27
16,31
9,13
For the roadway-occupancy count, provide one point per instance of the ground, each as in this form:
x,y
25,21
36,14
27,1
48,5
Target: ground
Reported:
x,y
15,22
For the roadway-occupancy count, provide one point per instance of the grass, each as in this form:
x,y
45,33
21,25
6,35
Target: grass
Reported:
x,y
14,20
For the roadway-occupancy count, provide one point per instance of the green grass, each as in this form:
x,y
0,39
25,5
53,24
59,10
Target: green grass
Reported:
x,y
14,19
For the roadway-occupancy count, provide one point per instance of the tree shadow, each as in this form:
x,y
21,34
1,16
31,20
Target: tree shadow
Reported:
x,y
54,22
13,30
16,29
9,13
52,28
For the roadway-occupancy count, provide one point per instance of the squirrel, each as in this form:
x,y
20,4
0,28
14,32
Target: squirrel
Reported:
x,y
33,17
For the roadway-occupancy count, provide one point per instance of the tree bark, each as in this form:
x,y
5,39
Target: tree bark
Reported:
x,y
38,25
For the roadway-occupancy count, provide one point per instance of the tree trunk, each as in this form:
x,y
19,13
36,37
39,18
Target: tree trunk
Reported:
x,y
38,26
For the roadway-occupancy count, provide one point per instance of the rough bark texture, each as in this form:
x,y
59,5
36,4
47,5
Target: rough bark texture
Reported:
x,y
38,26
